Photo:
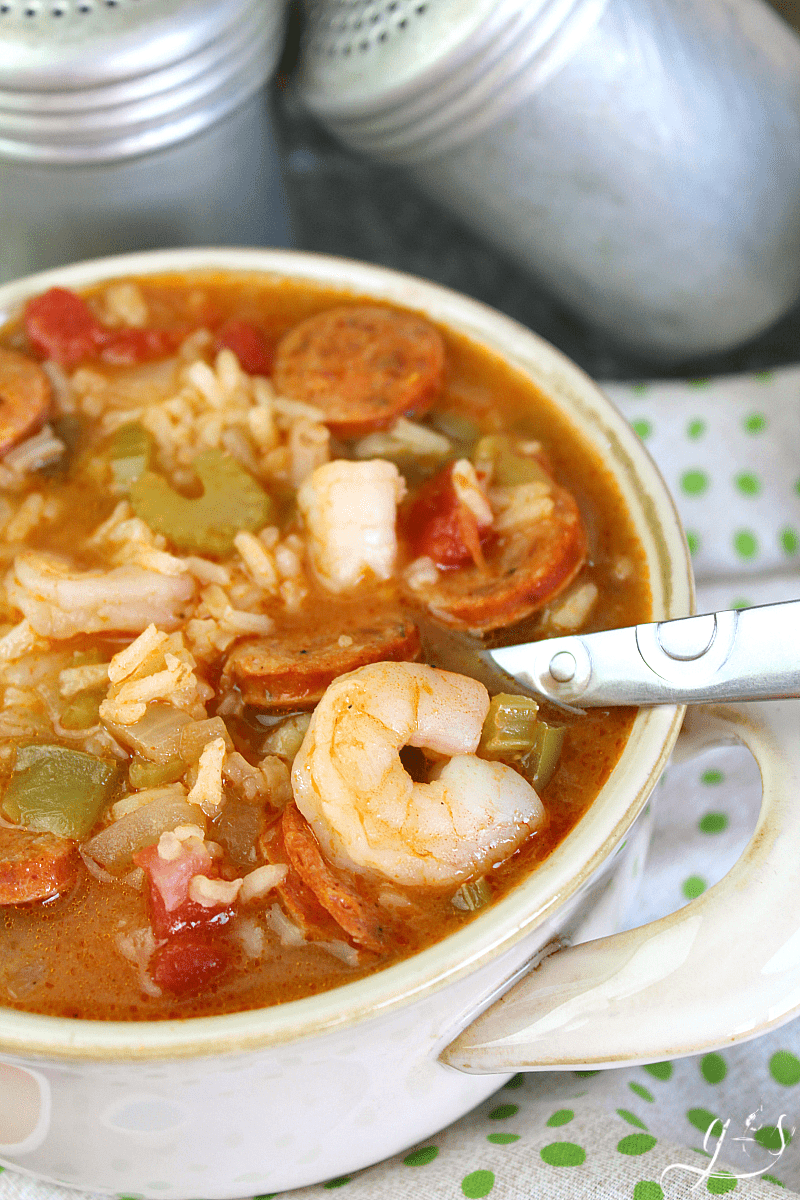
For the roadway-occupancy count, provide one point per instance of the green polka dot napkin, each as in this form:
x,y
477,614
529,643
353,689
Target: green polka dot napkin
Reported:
x,y
724,1121
728,450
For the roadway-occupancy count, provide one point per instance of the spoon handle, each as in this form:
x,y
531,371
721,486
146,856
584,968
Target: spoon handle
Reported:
x,y
744,654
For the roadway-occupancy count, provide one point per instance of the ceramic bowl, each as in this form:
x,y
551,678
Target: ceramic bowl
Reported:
x,y
262,1101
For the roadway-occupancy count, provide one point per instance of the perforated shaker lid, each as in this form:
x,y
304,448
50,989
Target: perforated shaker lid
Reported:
x,y
98,79
83,43
357,50
404,79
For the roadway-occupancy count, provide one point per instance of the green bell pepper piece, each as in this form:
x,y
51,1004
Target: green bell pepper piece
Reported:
x,y
58,790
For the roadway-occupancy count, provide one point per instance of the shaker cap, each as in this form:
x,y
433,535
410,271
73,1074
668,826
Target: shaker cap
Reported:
x,y
404,79
356,51
89,80
83,43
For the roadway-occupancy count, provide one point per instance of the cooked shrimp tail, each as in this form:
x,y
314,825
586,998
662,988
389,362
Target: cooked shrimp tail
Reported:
x,y
369,814
60,602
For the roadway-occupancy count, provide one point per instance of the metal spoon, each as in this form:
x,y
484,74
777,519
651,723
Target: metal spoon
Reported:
x,y
737,654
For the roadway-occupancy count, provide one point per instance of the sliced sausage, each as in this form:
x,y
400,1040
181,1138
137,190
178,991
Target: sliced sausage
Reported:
x,y
25,397
362,919
35,866
364,366
291,670
299,901
521,571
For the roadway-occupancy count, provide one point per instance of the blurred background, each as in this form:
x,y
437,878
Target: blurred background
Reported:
x,y
344,203
262,168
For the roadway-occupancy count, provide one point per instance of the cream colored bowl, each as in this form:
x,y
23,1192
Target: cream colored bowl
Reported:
x,y
262,1101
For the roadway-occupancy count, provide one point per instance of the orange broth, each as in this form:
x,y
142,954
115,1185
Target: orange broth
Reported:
x,y
61,957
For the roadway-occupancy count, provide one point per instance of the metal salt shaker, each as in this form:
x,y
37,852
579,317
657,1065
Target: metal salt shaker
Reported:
x,y
136,124
640,157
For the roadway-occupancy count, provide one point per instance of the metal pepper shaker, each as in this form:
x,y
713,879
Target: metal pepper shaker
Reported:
x,y
640,157
136,124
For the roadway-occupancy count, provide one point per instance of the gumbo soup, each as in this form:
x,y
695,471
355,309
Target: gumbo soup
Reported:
x,y
253,533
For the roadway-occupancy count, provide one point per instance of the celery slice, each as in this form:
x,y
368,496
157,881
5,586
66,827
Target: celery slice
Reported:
x,y
131,452
513,734
232,501
510,468
510,726
471,896
83,711
540,762
58,790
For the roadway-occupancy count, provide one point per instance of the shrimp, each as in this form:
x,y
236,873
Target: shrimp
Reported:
x,y
350,509
366,811
60,601
25,397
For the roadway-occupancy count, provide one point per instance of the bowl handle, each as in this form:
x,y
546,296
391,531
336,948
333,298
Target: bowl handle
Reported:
x,y
721,970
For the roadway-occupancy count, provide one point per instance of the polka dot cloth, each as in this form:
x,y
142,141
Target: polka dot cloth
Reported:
x,y
728,451
723,1121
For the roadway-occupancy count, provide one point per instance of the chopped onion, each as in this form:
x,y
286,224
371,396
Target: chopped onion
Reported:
x,y
341,950
92,867
197,734
114,846
285,739
134,879
156,735
289,933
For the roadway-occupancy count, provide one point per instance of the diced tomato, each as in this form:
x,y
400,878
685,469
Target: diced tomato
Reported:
x,y
126,347
171,910
249,344
188,962
187,916
438,525
61,326
170,876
